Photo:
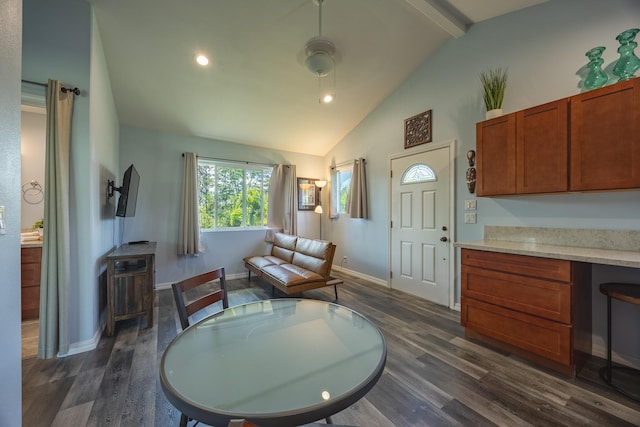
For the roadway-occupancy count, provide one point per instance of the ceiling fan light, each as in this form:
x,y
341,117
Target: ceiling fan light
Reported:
x,y
319,63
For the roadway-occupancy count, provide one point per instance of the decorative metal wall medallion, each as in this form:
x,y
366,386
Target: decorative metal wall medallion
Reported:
x,y
417,129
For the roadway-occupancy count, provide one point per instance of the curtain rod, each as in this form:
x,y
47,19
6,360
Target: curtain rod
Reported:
x,y
242,162
345,163
63,89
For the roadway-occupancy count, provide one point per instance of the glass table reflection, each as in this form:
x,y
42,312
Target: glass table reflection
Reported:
x,y
281,362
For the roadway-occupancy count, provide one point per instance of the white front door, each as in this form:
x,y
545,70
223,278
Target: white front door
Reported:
x,y
420,229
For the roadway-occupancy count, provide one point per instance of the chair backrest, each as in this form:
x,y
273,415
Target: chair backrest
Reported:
x,y
186,310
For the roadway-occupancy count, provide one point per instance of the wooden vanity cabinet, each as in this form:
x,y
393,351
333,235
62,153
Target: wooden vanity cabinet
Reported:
x,y
31,260
537,308
605,138
524,152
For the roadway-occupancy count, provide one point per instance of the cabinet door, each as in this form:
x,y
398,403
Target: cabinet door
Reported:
x,y
496,156
605,138
542,148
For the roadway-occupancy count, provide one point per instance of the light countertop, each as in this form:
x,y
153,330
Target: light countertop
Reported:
x,y
609,247
571,253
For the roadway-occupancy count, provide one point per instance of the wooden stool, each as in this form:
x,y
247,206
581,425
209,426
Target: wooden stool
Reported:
x,y
624,292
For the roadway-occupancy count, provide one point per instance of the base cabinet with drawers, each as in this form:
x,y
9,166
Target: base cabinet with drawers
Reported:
x,y
537,308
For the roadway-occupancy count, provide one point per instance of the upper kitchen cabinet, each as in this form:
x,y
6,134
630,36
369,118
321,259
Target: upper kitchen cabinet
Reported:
x,y
605,138
524,152
542,148
496,156
587,142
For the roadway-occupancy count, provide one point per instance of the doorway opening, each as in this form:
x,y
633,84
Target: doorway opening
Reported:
x,y
33,146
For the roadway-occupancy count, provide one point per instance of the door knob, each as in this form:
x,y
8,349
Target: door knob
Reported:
x,y
443,239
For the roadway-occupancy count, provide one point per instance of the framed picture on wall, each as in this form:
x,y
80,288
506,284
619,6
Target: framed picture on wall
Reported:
x,y
307,194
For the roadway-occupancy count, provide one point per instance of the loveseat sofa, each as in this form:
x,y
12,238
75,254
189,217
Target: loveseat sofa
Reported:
x,y
295,264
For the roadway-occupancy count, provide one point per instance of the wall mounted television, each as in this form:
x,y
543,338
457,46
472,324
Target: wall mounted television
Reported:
x,y
128,193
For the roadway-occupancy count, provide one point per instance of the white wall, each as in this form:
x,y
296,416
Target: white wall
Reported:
x,y
157,157
10,359
104,140
544,48
33,143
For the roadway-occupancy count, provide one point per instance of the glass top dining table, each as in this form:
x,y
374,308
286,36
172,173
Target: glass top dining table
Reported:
x,y
281,362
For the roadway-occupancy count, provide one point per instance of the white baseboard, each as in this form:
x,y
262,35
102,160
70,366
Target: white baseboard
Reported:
x,y
368,278
83,346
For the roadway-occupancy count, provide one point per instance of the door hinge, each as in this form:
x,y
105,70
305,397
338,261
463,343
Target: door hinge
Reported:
x,y
391,275
391,174
391,224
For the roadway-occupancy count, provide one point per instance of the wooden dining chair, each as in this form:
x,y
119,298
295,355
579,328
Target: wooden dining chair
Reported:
x,y
186,310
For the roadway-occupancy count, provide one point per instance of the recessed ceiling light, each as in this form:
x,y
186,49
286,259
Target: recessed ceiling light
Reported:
x,y
202,60
327,98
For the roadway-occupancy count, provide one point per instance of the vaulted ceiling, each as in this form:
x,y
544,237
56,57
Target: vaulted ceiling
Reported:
x,y
256,90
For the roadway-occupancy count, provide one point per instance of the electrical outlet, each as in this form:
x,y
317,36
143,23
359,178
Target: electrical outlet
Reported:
x,y
470,218
469,205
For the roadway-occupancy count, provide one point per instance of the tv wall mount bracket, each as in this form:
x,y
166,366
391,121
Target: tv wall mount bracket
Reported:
x,y
111,188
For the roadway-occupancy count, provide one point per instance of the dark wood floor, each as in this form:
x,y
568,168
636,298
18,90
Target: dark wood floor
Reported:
x,y
433,377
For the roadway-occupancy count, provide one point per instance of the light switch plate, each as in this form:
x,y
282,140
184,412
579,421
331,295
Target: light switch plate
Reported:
x,y
469,205
470,218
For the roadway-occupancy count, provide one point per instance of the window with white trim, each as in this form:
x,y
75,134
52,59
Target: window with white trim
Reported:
x,y
343,182
418,173
232,196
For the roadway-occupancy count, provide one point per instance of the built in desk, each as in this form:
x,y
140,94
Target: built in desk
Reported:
x,y
130,283
528,290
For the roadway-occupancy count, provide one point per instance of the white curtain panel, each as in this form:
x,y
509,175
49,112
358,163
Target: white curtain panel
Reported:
x,y
357,198
189,242
283,201
54,279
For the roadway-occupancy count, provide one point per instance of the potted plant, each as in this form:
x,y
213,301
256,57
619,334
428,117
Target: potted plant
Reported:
x,y
39,226
494,83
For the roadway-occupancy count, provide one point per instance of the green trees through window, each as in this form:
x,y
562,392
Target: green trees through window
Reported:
x,y
232,196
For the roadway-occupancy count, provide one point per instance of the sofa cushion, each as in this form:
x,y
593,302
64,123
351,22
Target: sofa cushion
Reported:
x,y
291,275
260,262
284,246
314,255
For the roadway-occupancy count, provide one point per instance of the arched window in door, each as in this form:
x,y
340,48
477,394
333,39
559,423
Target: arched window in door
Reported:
x,y
418,172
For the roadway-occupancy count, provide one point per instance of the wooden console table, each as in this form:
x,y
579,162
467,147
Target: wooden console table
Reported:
x,y
130,283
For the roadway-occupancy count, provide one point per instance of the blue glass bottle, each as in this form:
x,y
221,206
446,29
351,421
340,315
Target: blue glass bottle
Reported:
x,y
596,77
628,63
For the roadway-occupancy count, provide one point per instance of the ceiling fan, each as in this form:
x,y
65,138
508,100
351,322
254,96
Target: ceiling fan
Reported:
x,y
320,57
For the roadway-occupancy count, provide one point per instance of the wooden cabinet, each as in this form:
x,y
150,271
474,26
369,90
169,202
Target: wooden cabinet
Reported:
x,y
542,148
524,152
31,260
605,138
537,308
586,142
130,283
496,156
